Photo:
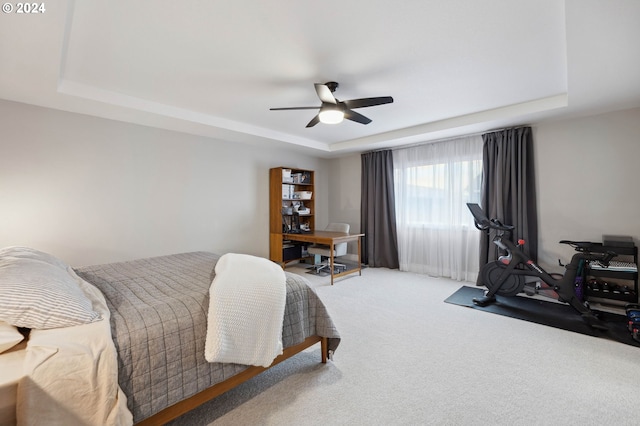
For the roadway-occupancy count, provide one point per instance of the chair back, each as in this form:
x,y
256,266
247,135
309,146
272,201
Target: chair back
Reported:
x,y
340,249
337,227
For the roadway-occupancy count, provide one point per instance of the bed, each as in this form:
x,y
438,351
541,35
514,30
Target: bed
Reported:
x,y
157,316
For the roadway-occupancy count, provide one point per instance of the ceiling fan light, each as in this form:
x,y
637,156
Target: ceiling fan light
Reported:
x,y
331,116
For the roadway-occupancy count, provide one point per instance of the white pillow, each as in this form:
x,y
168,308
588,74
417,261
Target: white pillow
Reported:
x,y
29,253
9,336
37,292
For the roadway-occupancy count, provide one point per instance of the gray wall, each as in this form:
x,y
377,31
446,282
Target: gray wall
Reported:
x,y
91,190
588,181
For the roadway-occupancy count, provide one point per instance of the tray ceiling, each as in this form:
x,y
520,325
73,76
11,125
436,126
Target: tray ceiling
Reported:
x,y
215,68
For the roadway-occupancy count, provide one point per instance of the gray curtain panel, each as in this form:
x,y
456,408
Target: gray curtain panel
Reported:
x,y
508,188
377,211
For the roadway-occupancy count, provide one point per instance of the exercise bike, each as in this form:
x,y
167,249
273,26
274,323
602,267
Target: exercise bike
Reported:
x,y
516,273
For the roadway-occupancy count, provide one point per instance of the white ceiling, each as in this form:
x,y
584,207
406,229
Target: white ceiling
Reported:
x,y
214,68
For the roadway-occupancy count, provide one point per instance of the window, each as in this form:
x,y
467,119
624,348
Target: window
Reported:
x,y
433,183
430,189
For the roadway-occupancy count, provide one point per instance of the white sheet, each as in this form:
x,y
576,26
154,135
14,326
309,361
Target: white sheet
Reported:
x,y
10,374
70,374
246,310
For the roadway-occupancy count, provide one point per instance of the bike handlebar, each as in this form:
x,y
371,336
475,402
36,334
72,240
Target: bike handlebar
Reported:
x,y
496,224
493,224
483,223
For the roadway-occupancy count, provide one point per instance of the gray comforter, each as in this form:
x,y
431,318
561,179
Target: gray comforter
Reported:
x,y
159,320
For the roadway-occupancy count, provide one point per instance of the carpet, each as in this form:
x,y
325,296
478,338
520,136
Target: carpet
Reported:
x,y
407,358
551,314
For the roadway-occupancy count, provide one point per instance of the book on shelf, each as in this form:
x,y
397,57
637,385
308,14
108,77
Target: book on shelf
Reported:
x,y
287,191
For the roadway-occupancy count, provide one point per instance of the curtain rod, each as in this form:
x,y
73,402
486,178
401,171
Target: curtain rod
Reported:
x,y
450,138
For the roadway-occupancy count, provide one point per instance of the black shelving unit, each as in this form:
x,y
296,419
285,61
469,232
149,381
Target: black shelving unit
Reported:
x,y
620,278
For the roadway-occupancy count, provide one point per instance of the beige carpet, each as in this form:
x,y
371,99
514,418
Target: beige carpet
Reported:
x,y
408,358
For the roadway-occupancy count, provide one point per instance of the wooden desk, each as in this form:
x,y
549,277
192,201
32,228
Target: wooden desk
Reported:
x,y
330,239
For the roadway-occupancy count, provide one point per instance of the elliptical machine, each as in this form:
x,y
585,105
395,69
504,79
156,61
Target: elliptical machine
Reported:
x,y
516,273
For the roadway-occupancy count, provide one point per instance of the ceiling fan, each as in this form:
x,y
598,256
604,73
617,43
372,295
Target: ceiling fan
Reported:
x,y
333,111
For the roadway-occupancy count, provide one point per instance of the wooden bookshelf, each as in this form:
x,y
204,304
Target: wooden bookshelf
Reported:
x,y
291,207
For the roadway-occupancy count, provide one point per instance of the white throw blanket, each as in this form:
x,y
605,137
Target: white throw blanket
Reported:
x,y
246,310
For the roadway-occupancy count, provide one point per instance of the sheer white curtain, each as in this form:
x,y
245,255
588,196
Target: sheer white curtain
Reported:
x,y
433,183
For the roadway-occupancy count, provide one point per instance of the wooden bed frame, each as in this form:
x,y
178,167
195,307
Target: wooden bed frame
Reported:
x,y
218,389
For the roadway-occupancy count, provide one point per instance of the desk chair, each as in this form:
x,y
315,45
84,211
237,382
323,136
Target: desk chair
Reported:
x,y
325,251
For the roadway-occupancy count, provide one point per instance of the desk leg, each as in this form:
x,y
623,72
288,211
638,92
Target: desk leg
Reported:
x,y
331,261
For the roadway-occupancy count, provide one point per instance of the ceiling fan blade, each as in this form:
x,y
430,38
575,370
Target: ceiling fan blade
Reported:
x,y
324,93
367,102
314,121
358,118
290,108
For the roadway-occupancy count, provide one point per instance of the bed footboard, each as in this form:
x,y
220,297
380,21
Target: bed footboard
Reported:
x,y
200,398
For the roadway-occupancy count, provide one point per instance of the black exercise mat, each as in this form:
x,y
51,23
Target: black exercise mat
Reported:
x,y
546,313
